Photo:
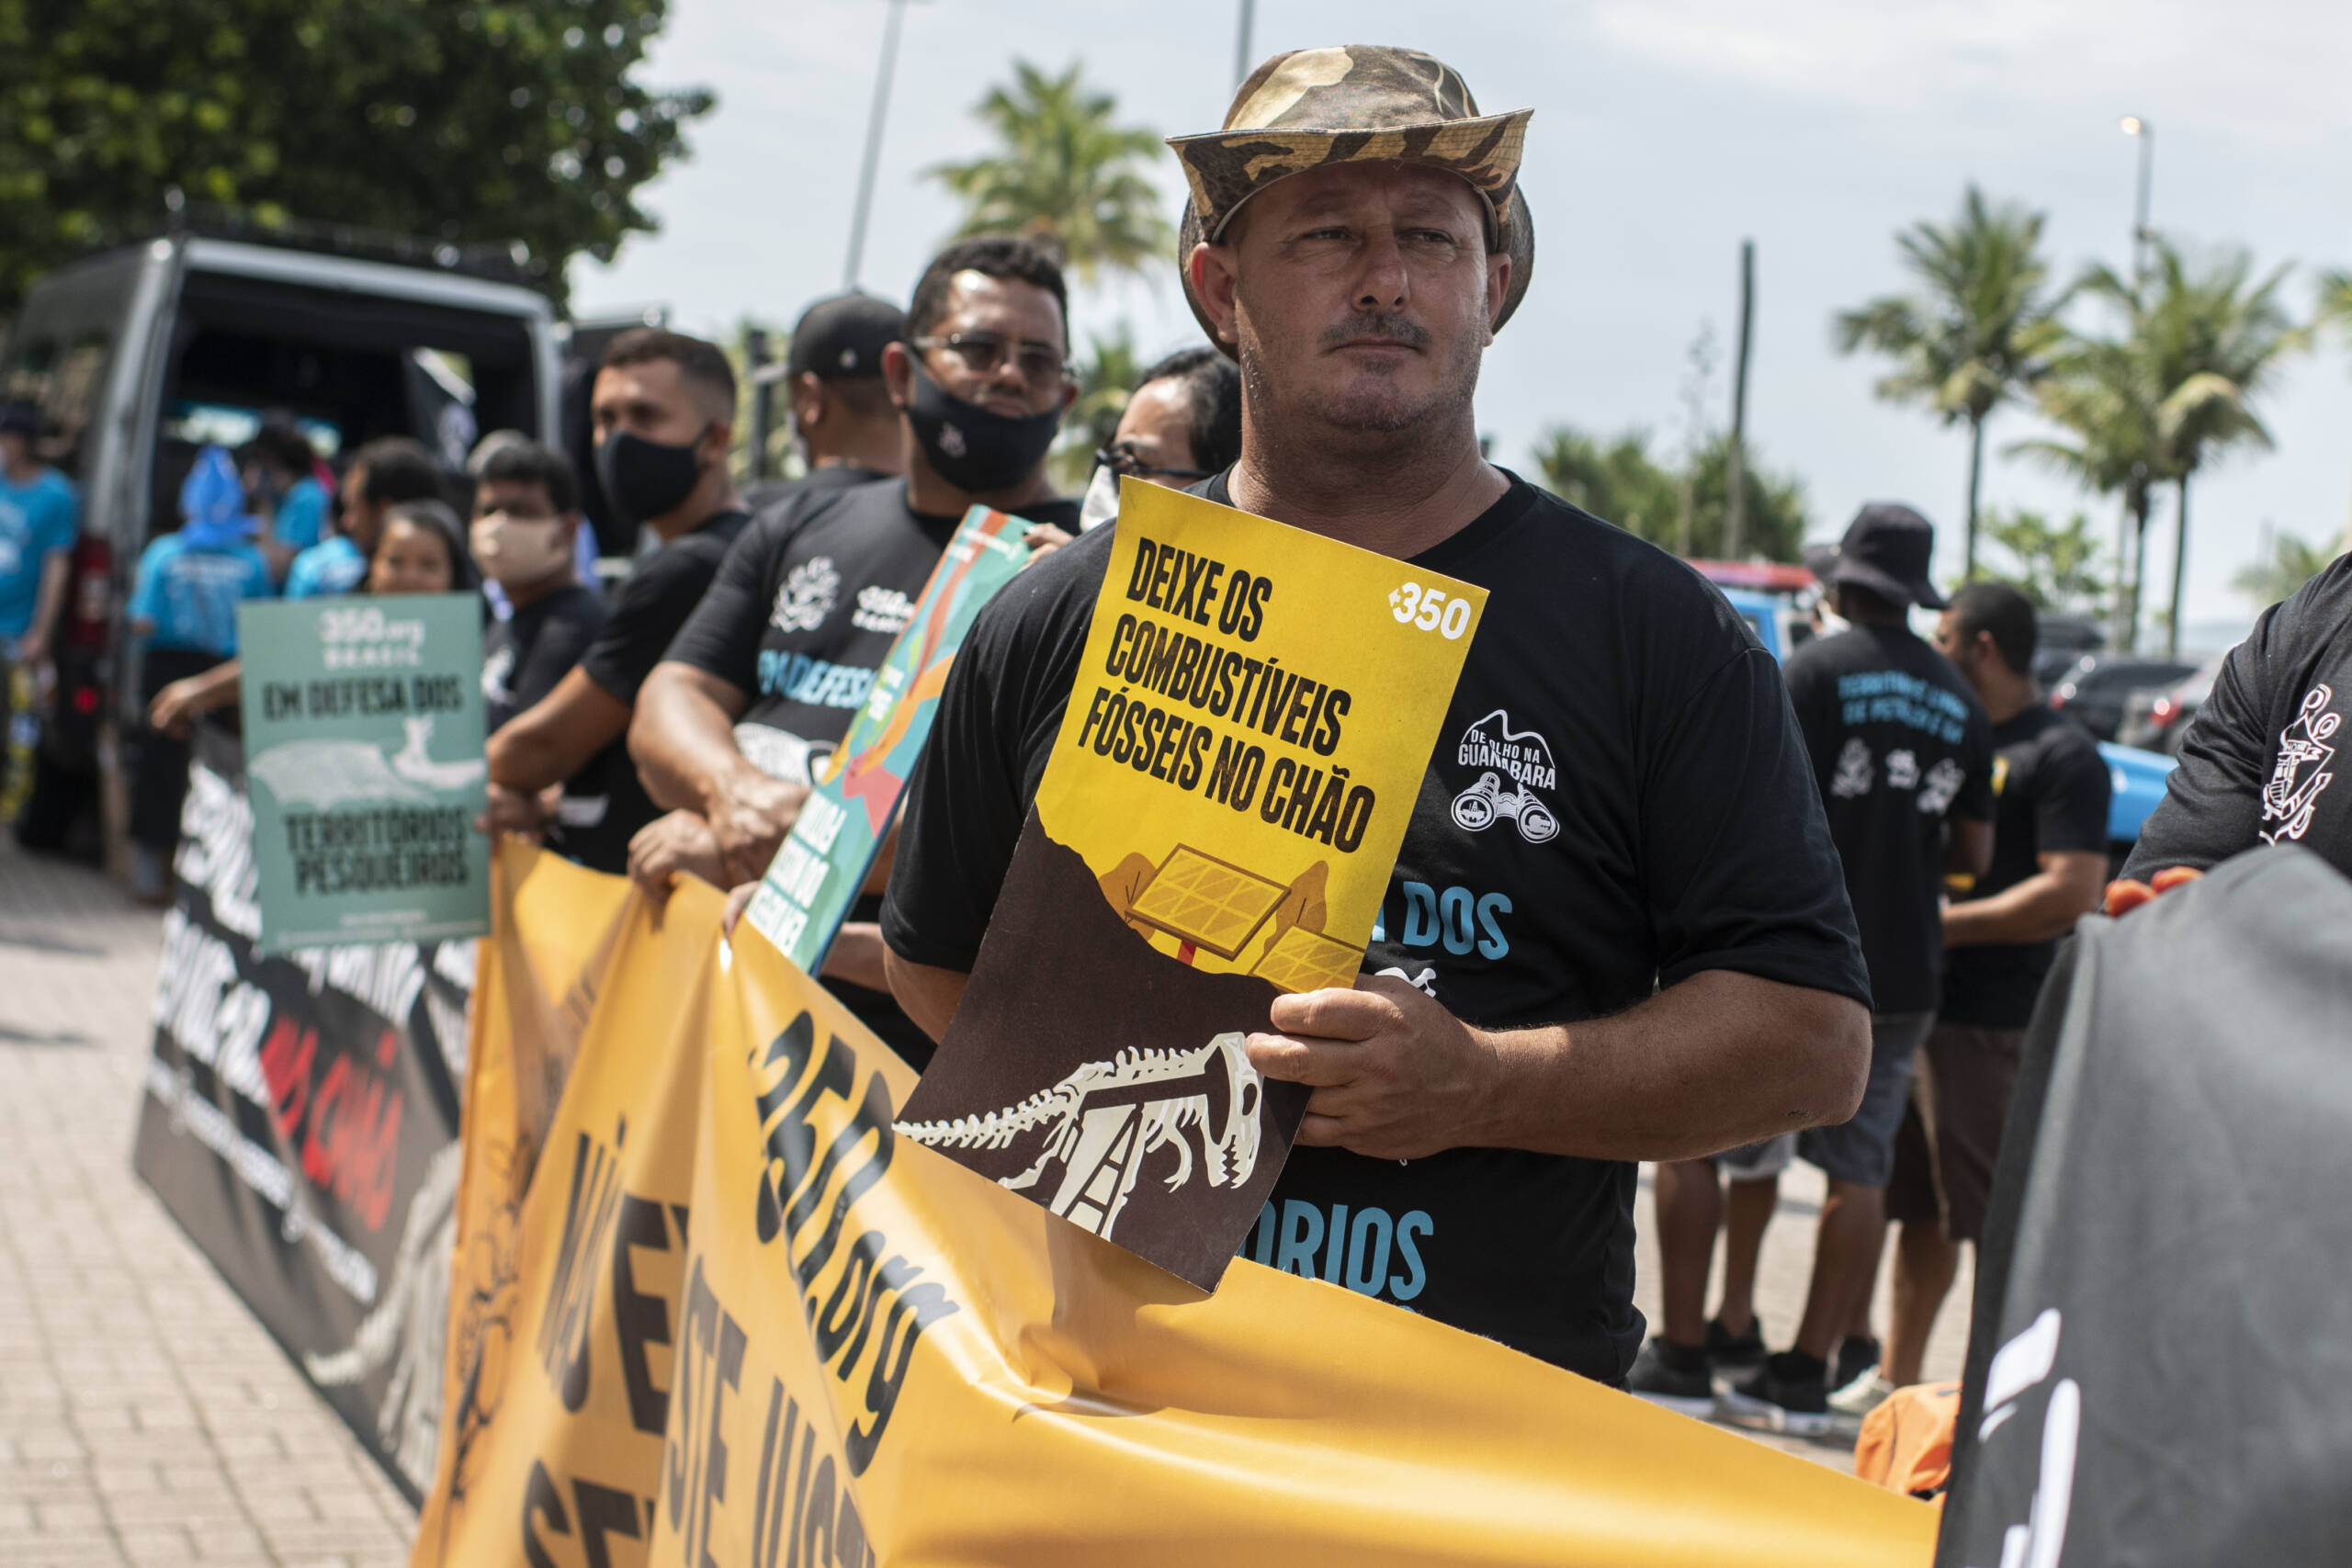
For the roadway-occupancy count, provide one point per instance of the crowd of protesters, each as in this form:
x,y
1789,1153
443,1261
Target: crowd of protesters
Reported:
x,y
1797,913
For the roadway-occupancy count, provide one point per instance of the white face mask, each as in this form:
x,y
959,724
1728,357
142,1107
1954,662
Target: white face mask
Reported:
x,y
1102,503
516,552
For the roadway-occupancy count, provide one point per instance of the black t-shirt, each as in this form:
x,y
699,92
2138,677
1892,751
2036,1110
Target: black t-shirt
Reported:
x,y
1898,744
2049,796
2259,761
772,494
1664,823
523,657
798,617
653,603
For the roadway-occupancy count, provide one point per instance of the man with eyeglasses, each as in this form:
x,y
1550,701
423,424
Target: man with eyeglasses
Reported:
x,y
764,679
1182,423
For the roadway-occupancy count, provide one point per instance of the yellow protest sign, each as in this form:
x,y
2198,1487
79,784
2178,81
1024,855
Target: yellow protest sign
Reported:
x,y
856,1352
1252,719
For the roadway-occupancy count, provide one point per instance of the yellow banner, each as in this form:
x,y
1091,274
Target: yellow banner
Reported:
x,y
726,1316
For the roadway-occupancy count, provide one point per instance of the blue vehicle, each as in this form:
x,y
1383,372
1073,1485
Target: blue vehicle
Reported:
x,y
2139,777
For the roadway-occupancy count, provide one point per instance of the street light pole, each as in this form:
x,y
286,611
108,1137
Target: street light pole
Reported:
x,y
1736,474
2145,134
874,141
1242,43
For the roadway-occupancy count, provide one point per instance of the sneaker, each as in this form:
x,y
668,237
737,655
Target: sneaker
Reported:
x,y
1862,1395
1855,1356
1734,1352
1674,1376
1787,1393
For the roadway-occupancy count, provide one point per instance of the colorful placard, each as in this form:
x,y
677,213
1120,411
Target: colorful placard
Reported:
x,y
823,862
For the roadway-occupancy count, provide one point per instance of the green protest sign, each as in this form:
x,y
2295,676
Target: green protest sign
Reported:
x,y
364,761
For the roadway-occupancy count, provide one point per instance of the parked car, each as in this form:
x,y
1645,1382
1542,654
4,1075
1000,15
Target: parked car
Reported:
x,y
140,356
2093,692
2060,643
2156,718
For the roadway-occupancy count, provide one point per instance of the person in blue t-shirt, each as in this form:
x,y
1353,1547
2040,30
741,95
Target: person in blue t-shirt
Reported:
x,y
385,473
184,603
37,508
281,483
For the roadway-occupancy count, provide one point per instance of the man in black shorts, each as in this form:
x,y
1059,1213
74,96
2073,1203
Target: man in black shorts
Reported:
x,y
664,405
1659,962
1900,750
2051,793
765,676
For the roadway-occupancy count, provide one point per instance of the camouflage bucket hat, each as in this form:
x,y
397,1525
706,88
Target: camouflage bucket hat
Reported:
x,y
1357,103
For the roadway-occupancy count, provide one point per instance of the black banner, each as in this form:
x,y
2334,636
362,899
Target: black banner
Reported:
x,y
300,1120
2162,1323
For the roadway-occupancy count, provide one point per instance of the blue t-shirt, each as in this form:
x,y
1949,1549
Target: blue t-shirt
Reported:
x,y
190,594
36,520
333,565
301,515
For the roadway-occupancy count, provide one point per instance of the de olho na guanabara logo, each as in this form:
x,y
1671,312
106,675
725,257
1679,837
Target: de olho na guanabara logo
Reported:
x,y
1252,715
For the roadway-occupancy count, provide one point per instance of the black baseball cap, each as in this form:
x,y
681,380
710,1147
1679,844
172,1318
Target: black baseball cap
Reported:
x,y
19,419
842,338
1886,550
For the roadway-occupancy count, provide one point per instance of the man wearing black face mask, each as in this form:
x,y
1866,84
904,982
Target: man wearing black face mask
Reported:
x,y
764,680
665,411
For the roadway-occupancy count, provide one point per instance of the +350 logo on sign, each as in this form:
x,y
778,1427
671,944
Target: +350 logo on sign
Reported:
x,y
1432,609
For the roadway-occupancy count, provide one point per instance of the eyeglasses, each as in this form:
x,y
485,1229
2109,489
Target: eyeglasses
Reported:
x,y
1041,363
1122,461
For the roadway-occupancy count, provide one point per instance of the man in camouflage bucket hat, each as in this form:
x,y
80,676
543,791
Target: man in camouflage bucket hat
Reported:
x,y
1617,930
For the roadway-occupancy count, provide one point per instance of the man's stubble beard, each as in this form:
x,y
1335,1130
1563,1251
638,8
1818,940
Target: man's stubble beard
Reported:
x,y
1378,427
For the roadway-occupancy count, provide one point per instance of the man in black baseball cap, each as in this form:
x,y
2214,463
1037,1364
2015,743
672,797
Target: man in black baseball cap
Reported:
x,y
843,420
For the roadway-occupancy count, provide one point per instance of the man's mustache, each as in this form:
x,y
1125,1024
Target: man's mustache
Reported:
x,y
1376,325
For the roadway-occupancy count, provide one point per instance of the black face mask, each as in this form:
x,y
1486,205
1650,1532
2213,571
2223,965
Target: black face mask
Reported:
x,y
974,448
645,480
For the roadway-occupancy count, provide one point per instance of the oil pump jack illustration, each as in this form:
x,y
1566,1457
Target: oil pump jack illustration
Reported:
x,y
1103,1121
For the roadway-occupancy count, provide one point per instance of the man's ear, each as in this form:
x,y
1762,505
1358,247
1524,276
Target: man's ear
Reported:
x,y
1498,290
715,442
898,373
1211,270
805,393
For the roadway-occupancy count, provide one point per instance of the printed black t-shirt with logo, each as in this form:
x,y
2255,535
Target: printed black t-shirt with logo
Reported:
x,y
523,657
798,617
1898,744
2051,794
661,592
2262,759
1619,800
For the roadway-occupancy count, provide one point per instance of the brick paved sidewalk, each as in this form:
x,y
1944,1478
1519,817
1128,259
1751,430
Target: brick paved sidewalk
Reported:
x,y
145,1418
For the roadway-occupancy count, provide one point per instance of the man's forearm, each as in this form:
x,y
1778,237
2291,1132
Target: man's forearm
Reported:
x,y
683,743
1721,1060
555,737
929,996
55,570
2042,907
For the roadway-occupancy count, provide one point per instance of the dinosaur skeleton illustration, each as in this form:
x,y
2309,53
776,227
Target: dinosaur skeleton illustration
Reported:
x,y
1105,1119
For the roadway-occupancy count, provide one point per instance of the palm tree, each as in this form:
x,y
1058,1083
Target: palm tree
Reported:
x,y
2335,311
1062,173
2292,564
1975,335
2099,392
2208,342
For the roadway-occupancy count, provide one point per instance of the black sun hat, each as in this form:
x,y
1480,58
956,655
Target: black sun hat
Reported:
x,y
1886,550
1354,103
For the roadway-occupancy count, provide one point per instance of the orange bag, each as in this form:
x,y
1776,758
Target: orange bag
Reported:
x,y
1907,1442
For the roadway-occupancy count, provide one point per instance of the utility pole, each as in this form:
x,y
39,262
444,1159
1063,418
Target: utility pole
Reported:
x,y
879,112
2125,633
1241,44
1735,477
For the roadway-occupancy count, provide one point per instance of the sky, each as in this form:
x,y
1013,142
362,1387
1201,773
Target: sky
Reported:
x,y
1665,131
